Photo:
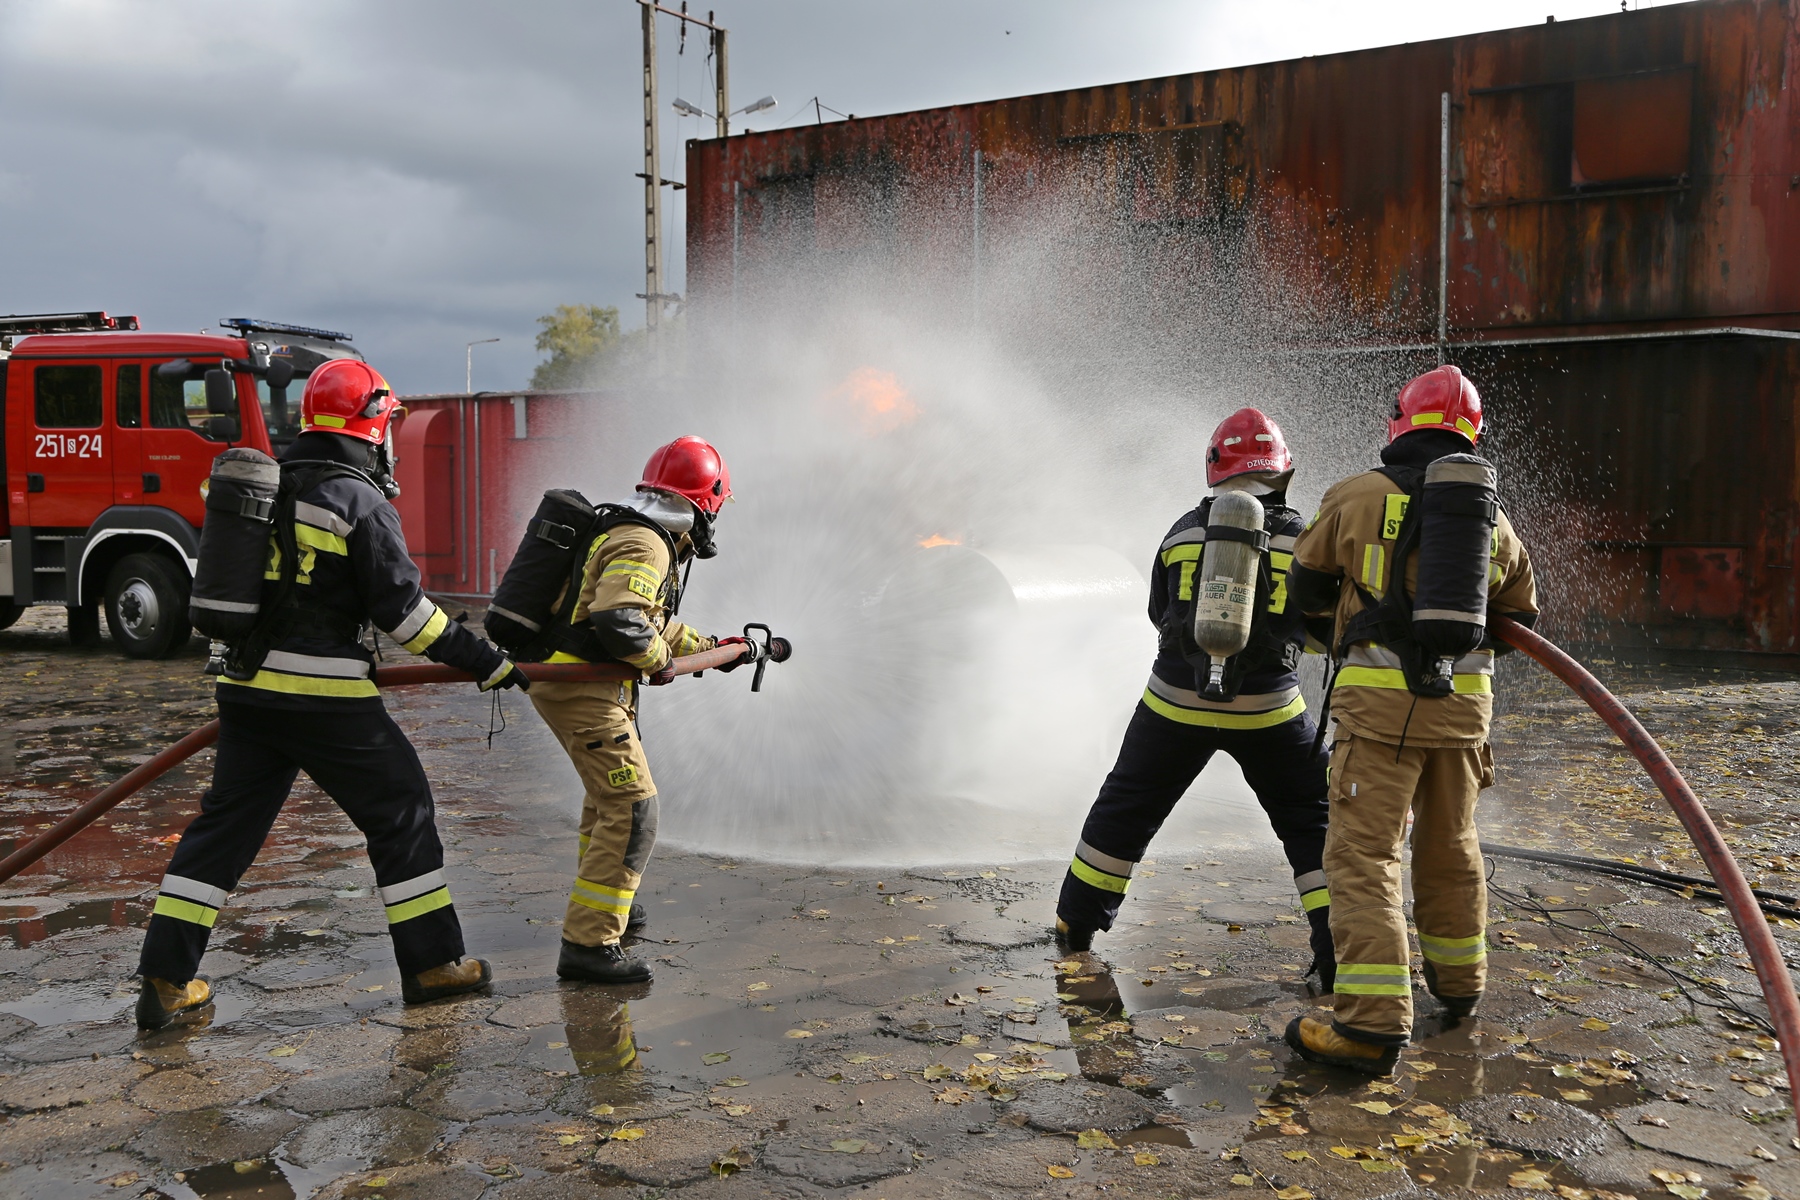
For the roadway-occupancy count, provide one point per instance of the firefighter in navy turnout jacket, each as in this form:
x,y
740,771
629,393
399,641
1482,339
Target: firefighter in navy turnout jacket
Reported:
x,y
1256,715
625,612
1409,559
297,696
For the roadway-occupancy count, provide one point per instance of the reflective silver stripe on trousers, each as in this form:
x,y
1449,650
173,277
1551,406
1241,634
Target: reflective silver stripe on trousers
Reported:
x,y
1448,614
193,889
510,615
1312,881
397,893
308,664
409,626
324,518
230,606
1263,702
1370,654
1106,862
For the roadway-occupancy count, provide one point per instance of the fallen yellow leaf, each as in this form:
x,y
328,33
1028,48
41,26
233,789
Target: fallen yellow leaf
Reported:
x,y
627,1135
1058,1171
1380,1108
1095,1139
799,1033
1596,1025
1144,1158
1293,1193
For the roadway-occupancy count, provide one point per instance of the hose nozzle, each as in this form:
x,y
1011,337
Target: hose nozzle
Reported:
x,y
770,649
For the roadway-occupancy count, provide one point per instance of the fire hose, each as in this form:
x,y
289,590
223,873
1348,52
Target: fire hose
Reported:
x,y
771,649
1752,925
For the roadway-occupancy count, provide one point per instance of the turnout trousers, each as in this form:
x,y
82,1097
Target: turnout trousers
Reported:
x,y
1158,762
362,760
596,723
1373,784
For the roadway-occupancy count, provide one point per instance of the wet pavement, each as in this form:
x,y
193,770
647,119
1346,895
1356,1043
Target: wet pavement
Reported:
x,y
903,1032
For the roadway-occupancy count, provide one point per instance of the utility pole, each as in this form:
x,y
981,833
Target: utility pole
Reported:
x,y
469,363
653,295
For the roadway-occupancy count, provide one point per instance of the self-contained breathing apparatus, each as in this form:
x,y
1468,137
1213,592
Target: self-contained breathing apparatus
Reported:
x,y
1446,513
1222,627
531,616
247,535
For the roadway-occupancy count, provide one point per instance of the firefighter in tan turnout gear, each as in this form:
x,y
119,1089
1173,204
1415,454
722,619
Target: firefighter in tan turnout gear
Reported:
x,y
623,610
1410,559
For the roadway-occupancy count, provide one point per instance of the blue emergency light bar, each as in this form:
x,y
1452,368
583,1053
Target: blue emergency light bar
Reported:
x,y
251,325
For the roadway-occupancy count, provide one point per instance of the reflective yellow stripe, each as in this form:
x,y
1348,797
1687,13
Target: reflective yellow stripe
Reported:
x,y
1428,418
564,656
1097,878
600,896
583,839
1372,979
1393,677
1225,720
1371,569
1463,424
1393,512
1184,588
434,629
418,906
1280,560
185,910
1317,898
1453,951
1278,597
327,421
1190,552
320,539
306,685
624,566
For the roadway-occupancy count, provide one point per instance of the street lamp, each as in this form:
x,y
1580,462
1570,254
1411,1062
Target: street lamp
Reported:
x,y
469,363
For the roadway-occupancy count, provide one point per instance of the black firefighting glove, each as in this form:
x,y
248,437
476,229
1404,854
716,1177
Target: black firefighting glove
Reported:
x,y
735,663
508,676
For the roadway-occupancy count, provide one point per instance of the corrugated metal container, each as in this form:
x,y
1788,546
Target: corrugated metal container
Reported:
x,y
1618,192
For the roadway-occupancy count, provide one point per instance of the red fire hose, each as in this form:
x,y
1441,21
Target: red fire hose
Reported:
x,y
1771,968
386,677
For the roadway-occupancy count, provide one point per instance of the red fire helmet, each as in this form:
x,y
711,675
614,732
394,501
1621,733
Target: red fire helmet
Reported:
x,y
1246,441
348,396
1442,398
691,468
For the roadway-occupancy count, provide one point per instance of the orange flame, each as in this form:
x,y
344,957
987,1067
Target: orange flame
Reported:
x,y
937,539
877,397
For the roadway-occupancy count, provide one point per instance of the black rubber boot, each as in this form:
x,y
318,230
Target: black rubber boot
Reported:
x,y
1073,941
1324,961
451,979
161,1003
600,964
1457,1008
635,923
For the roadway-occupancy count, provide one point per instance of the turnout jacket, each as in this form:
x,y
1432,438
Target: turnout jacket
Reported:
x,y
353,570
1270,693
629,589
1351,542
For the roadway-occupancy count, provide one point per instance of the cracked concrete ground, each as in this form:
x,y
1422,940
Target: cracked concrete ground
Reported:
x,y
894,1033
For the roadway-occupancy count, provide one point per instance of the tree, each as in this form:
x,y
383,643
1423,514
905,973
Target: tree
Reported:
x,y
580,339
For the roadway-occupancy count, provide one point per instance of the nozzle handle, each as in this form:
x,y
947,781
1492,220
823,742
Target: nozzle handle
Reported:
x,y
770,648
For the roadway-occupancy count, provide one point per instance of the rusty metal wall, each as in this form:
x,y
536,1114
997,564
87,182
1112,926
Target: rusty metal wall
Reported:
x,y
1625,174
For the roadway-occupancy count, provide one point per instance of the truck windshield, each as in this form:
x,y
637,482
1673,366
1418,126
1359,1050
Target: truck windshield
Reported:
x,y
281,416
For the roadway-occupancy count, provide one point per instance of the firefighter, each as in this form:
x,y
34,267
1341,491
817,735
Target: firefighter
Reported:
x,y
625,612
310,706
1401,743
1176,730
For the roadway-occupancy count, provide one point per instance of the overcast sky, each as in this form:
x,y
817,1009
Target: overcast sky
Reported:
x,y
425,172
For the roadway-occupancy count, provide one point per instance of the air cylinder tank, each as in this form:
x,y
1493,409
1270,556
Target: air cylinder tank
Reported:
x,y
1225,593
226,598
1458,508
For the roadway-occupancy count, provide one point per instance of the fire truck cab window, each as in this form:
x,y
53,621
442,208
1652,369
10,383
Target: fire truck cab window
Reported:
x,y
283,421
68,397
128,396
181,404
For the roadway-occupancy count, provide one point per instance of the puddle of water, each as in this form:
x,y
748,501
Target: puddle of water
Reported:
x,y
1157,1135
71,1002
86,914
260,1179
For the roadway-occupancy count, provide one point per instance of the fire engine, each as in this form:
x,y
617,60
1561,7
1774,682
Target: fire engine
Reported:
x,y
108,437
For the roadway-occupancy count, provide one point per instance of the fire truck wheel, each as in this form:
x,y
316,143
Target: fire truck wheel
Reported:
x,y
146,606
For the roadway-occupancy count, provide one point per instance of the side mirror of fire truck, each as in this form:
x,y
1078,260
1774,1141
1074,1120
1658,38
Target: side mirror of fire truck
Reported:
x,y
279,373
221,393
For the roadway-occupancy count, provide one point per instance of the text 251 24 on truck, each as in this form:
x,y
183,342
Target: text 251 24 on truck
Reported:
x,y
109,434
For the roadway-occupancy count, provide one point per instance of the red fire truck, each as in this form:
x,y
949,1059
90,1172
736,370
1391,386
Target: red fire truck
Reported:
x,y
108,437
